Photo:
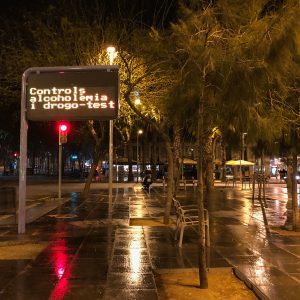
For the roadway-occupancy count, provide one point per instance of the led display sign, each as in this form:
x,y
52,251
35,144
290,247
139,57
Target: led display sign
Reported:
x,y
72,93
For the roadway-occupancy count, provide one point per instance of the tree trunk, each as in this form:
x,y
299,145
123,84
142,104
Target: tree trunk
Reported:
x,y
294,193
177,146
289,205
90,177
169,181
289,174
208,162
153,160
130,154
223,151
295,207
96,156
201,243
144,156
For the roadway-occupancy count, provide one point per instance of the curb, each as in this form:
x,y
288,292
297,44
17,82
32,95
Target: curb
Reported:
x,y
259,294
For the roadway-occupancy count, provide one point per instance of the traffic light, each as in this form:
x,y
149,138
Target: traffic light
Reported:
x,y
63,129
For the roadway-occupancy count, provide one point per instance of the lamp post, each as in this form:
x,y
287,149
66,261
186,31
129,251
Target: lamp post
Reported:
x,y
111,51
140,131
243,144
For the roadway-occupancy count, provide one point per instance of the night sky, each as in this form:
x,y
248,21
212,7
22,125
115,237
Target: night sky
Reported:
x,y
158,12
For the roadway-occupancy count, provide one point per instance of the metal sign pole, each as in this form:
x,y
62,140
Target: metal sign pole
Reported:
x,y
112,54
23,162
137,156
111,132
59,168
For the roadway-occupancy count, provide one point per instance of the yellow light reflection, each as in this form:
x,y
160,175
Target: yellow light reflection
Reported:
x,y
135,254
259,268
138,209
247,211
230,194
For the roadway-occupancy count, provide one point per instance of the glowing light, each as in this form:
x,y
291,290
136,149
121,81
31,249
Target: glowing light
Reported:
x,y
137,101
112,54
88,163
60,272
63,127
111,49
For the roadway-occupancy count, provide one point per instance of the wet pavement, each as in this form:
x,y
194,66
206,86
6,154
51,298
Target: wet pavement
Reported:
x,y
93,253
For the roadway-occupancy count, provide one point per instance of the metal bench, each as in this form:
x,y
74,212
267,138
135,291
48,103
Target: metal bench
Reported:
x,y
246,180
182,184
230,178
195,183
187,215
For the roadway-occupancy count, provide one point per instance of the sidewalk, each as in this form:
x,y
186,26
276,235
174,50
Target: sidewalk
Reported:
x,y
88,255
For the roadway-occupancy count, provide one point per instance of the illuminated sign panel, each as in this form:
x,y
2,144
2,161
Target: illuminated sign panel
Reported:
x,y
69,93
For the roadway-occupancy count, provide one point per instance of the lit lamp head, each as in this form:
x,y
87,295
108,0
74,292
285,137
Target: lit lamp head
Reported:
x,y
140,131
137,101
63,129
111,51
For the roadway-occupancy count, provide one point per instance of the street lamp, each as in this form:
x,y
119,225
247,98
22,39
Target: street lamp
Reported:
x,y
140,131
243,144
111,51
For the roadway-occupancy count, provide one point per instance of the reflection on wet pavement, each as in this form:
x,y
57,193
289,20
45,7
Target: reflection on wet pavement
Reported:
x,y
257,256
60,261
239,238
92,256
130,274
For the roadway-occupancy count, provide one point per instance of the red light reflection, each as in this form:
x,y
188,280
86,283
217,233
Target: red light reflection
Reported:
x,y
60,264
62,269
